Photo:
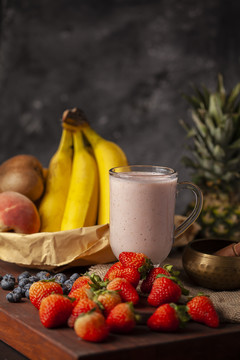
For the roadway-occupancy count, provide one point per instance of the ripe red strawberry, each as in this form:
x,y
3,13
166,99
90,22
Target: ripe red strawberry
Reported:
x,y
138,261
165,290
115,268
121,318
41,289
83,292
201,309
55,310
118,270
82,306
126,290
116,265
80,281
91,326
108,300
147,283
168,317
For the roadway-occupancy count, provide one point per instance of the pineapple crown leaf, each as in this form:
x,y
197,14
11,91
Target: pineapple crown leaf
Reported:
x,y
215,108
232,99
220,88
215,135
200,126
235,144
193,100
203,96
215,102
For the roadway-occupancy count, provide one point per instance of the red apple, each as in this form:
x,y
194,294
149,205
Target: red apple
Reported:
x,y
18,213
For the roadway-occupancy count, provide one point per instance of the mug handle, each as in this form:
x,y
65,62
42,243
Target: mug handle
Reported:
x,y
197,208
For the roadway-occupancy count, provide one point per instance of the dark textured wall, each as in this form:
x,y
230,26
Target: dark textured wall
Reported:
x,y
124,62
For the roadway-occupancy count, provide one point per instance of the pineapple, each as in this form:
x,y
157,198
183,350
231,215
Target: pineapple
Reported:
x,y
215,158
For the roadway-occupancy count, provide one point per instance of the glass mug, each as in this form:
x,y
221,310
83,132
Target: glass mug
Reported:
x,y
142,209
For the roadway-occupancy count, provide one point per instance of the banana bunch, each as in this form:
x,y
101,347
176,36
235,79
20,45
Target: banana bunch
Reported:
x,y
77,183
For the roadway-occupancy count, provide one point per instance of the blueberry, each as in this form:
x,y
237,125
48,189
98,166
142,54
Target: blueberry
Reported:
x,y
23,282
68,285
60,278
26,290
8,277
14,297
23,291
27,286
27,294
65,289
74,276
32,279
43,275
25,274
17,289
7,284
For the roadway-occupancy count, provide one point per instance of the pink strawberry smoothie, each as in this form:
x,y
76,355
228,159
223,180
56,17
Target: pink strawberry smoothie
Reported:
x,y
142,206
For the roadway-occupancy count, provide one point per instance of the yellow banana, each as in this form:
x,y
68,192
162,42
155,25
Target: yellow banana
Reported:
x,y
108,155
82,202
52,205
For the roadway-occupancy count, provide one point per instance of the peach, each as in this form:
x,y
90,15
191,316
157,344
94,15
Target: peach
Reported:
x,y
18,213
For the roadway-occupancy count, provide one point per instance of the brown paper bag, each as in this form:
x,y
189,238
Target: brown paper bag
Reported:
x,y
48,251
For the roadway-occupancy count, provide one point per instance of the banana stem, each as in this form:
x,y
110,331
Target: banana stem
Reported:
x,y
74,118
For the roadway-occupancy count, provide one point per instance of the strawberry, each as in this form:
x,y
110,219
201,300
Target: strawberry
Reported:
x,y
82,306
118,270
91,326
168,317
82,280
126,290
138,261
201,309
55,310
147,283
165,289
121,318
108,300
41,289
80,293
116,265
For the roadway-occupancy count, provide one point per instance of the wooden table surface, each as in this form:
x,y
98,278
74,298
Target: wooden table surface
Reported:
x,y
20,329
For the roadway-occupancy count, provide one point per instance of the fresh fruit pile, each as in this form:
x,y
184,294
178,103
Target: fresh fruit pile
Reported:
x,y
73,192
95,307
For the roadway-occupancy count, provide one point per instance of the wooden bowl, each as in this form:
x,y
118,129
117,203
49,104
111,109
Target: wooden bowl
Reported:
x,y
209,270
